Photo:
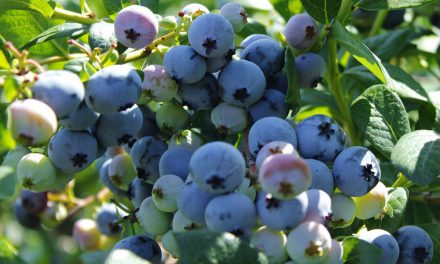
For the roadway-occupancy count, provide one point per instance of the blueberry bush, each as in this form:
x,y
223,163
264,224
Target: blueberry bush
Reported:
x,y
269,131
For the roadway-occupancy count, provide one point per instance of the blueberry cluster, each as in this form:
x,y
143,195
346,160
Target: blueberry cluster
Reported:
x,y
162,144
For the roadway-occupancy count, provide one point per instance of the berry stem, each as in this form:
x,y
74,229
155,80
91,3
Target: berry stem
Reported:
x,y
137,54
335,88
61,58
86,19
401,181
380,18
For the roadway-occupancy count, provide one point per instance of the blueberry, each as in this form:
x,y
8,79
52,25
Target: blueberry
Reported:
x,y
187,139
181,223
229,119
320,137
211,35
277,81
322,177
202,95
31,122
266,54
158,84
33,202
271,243
105,180
149,126
235,14
310,69
217,167
171,117
25,218
415,245
281,214
336,253
319,207
356,171
154,221
86,234
271,104
215,64
72,151
102,35
112,89
62,90
142,246
310,242
175,161
270,129
81,119
106,217
247,189
36,172
194,10
120,127
385,241
136,26
193,209
252,38
275,147
165,191
372,204
138,191
343,210
121,170
184,64
242,83
146,153
233,213
301,31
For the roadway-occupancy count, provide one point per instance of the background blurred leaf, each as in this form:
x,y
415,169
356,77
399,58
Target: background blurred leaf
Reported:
x,y
356,251
293,97
392,4
41,6
8,182
322,10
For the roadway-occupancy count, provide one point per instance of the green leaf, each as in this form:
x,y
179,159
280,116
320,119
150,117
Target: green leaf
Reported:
x,y
392,4
417,156
405,85
41,6
203,246
21,26
359,51
94,257
293,97
8,182
322,10
282,7
389,44
8,253
356,251
252,27
393,217
71,30
9,91
433,231
381,117
416,213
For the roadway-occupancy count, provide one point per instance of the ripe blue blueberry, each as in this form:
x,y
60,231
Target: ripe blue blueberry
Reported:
x,y
242,83
415,245
81,119
319,207
184,64
33,202
72,151
320,137
146,153
235,14
277,81
217,167
138,191
310,69
271,104
105,180
106,217
136,26
175,161
233,213
142,246
270,129
266,54
322,177
25,218
252,38
120,127
356,171
112,89
386,242
211,35
301,31
193,209
202,95
62,90
281,214
149,126
215,64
